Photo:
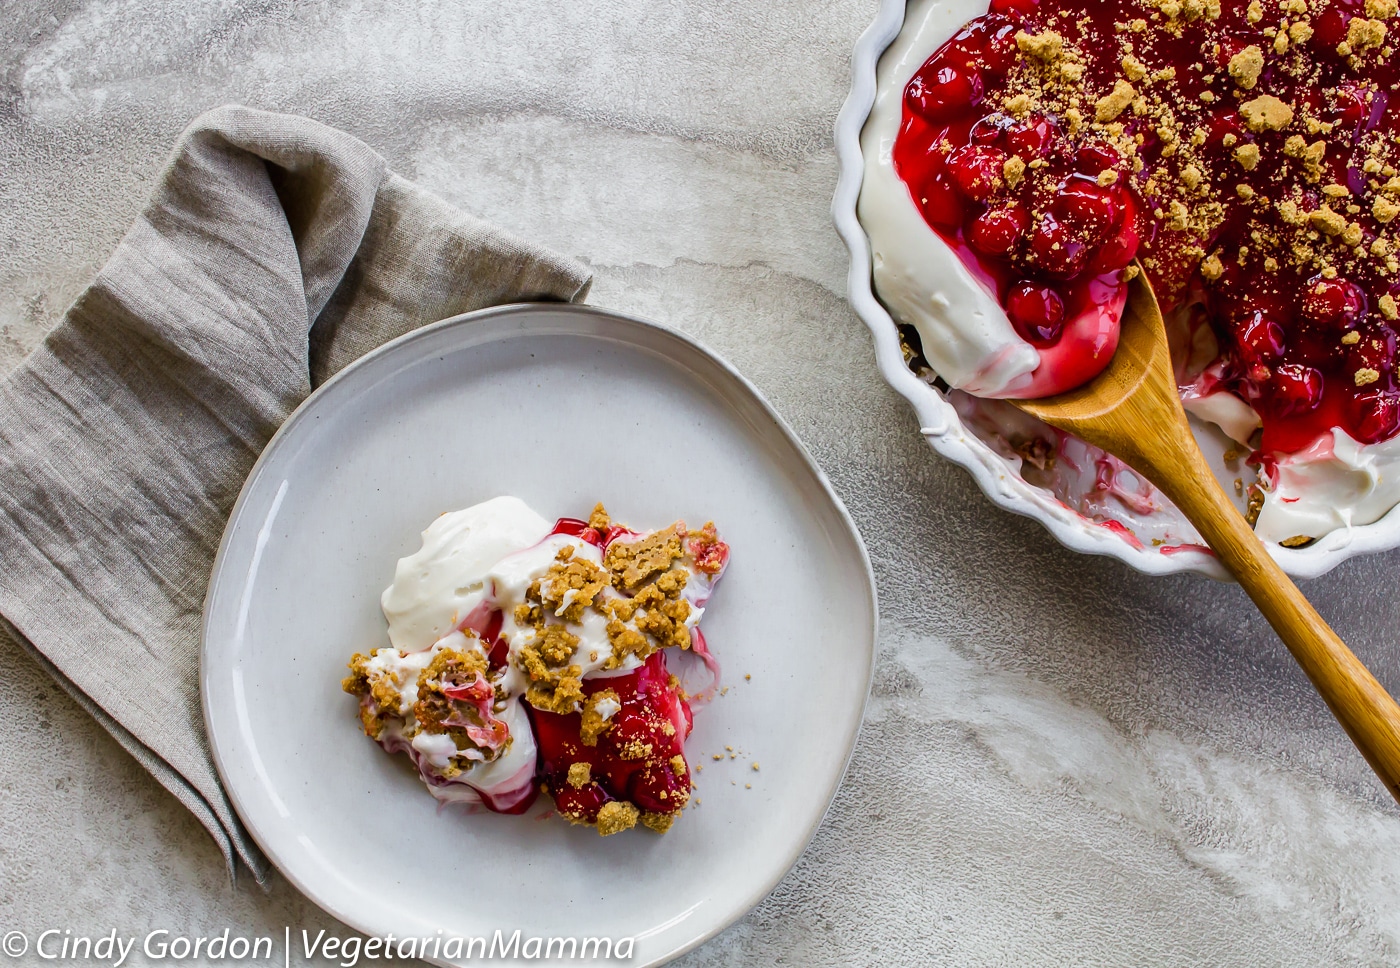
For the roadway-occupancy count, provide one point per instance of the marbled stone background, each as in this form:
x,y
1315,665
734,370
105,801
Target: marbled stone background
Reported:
x,y
1063,762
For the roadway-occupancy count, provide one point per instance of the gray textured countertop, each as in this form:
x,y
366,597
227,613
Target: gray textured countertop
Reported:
x,y
1063,762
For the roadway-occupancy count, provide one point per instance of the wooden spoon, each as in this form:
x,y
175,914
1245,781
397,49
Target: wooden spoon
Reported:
x,y
1132,411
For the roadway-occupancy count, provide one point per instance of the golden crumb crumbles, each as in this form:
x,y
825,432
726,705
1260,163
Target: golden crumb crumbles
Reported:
x,y
525,652
615,817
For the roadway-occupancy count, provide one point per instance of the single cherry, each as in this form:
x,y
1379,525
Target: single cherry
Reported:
x,y
940,203
1260,338
1117,250
976,170
629,727
1036,311
1374,415
1295,388
656,787
1000,54
1086,209
578,803
952,91
1056,250
1030,139
1333,302
1095,157
996,230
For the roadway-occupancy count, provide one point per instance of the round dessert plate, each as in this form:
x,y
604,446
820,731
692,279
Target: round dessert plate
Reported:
x,y
942,427
561,406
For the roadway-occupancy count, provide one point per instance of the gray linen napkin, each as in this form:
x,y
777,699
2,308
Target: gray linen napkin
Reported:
x,y
275,251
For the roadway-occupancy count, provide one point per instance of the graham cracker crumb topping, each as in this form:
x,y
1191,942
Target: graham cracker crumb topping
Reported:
x,y
632,563
659,822
599,520
1246,66
452,695
593,724
616,816
1046,46
638,590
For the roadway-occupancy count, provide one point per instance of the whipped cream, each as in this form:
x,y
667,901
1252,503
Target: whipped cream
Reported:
x,y
1335,483
512,576
401,670
505,778
964,333
439,585
963,330
435,591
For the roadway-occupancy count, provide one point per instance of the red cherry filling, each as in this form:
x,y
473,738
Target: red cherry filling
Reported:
x,y
1056,257
1036,311
1058,249
1334,302
1030,140
634,760
639,757
948,91
1251,160
1375,415
976,170
1260,339
996,231
578,529
1295,388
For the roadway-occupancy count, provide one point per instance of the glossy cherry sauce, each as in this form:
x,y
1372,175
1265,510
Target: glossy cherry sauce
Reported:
x,y
653,714
1060,240
653,718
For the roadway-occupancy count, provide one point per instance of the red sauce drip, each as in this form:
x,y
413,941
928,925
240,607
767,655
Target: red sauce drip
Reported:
x,y
491,635
578,529
1119,528
1181,548
525,803
1059,239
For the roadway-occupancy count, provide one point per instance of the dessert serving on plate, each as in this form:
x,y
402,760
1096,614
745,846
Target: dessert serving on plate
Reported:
x,y
527,657
1018,160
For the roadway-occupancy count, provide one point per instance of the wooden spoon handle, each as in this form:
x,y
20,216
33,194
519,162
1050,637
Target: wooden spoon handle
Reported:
x,y
1366,711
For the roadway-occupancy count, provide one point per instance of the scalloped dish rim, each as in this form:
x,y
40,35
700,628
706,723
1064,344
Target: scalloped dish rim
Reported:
x,y
943,428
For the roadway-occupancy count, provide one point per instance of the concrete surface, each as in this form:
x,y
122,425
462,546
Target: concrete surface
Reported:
x,y
1063,762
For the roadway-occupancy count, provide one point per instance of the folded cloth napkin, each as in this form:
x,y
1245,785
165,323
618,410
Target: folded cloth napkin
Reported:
x,y
275,251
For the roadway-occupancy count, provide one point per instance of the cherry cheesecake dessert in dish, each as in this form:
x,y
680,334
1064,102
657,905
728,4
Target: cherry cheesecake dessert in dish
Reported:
x,y
1022,161
528,657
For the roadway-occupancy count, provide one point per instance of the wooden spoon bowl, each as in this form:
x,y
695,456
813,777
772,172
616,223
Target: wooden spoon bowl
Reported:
x,y
1132,410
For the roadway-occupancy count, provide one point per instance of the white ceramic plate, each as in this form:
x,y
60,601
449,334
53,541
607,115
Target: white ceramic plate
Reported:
x,y
562,406
942,427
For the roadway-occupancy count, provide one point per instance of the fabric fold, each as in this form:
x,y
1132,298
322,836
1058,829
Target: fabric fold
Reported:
x,y
274,252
